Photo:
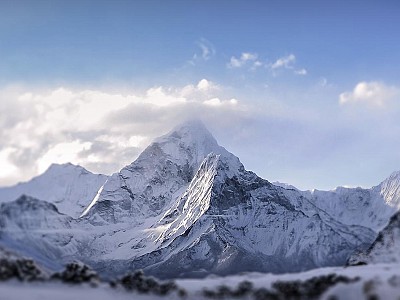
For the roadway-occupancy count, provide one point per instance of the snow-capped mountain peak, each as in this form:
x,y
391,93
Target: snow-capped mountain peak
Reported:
x,y
189,143
162,171
65,168
190,134
390,190
68,186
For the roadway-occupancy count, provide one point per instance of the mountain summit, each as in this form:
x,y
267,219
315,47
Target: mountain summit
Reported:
x,y
164,169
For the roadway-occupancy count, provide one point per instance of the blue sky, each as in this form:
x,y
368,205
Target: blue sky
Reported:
x,y
305,92
102,41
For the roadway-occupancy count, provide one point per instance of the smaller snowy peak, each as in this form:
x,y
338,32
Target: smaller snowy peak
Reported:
x,y
371,208
354,206
390,190
71,188
35,228
27,203
29,214
65,168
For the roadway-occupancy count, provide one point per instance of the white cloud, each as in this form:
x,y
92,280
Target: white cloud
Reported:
x,y
372,93
219,102
8,170
202,89
244,58
284,62
100,130
248,56
301,72
235,63
62,153
160,97
206,85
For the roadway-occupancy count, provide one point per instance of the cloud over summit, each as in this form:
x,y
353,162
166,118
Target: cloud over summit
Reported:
x,y
100,130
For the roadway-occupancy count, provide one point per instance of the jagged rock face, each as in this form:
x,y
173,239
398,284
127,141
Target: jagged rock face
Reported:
x,y
69,187
386,247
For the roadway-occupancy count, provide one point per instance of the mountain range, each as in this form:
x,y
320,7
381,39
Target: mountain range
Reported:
x,y
187,207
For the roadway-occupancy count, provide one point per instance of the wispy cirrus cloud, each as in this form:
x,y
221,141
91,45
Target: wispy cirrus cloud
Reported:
x,y
284,62
252,62
245,59
206,51
287,62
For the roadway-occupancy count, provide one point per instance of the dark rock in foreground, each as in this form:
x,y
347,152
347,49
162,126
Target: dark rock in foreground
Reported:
x,y
76,273
147,285
312,288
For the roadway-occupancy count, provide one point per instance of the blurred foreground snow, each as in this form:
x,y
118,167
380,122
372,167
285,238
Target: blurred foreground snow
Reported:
x,y
372,282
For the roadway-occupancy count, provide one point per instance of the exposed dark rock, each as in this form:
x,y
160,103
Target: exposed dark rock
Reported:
x,y
21,269
76,273
147,285
312,288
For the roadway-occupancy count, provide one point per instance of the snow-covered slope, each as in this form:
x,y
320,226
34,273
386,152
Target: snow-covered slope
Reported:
x,y
362,282
71,188
36,229
371,208
386,247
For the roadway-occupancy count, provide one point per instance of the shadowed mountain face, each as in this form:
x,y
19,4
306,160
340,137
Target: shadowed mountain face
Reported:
x,y
386,247
188,207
